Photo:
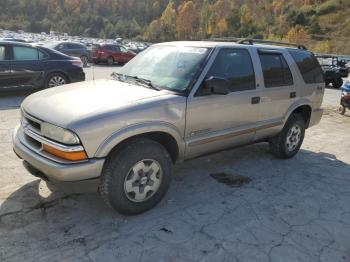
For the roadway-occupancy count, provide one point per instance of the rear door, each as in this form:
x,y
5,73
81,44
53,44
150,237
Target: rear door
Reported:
x,y
117,55
279,91
27,67
6,76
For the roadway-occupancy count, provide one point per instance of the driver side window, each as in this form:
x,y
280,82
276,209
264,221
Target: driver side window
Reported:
x,y
236,67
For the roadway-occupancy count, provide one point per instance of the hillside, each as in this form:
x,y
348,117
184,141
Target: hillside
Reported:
x,y
324,25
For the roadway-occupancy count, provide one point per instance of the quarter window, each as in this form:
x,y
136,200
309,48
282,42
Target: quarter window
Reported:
x,y
234,65
25,53
308,65
275,69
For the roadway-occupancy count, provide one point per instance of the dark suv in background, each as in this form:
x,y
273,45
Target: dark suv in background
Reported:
x,y
110,54
72,49
25,66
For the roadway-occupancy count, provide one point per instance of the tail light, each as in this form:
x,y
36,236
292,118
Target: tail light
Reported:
x,y
77,63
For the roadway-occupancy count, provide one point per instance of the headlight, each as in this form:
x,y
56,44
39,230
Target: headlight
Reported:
x,y
59,134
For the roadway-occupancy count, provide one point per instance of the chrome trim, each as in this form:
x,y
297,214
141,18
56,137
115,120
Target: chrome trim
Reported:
x,y
55,145
26,115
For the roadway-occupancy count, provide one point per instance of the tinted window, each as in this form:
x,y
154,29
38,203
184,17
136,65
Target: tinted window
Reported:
x,y
25,53
42,55
234,65
2,53
61,46
109,48
275,69
74,46
123,49
308,65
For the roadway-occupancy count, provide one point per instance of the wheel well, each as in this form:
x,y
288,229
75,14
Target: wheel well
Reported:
x,y
166,140
305,112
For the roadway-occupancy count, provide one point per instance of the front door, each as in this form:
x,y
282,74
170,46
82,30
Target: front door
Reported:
x,y
215,122
5,70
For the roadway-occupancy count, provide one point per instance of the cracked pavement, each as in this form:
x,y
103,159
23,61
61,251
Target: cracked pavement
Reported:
x,y
291,210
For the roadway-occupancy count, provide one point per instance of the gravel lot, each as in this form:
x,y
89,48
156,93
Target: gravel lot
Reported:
x,y
294,210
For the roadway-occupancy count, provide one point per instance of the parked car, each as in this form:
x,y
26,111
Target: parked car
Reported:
x,y
174,101
110,54
24,66
71,49
334,70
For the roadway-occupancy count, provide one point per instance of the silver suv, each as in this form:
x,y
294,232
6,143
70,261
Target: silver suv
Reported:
x,y
174,101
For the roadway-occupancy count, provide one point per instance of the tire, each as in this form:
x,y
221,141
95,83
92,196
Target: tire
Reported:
x,y
55,79
120,183
285,145
84,60
341,110
337,83
110,60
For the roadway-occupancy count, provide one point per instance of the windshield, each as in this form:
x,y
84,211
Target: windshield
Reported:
x,y
167,67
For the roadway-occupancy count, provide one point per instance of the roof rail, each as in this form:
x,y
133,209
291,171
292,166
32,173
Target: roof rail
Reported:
x,y
249,41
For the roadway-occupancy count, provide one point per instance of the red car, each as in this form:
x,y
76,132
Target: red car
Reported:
x,y
110,54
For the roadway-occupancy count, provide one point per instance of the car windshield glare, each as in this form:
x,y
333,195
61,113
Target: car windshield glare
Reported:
x,y
168,67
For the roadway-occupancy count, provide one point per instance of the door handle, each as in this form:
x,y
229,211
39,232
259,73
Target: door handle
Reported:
x,y
293,94
256,100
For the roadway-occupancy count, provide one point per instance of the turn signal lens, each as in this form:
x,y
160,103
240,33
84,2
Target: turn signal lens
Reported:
x,y
72,156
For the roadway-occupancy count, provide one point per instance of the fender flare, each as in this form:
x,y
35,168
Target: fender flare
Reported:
x,y
299,103
138,129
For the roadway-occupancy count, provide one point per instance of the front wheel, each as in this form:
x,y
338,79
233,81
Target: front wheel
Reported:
x,y
136,177
288,142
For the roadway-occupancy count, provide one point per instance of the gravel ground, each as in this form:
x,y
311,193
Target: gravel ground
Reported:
x,y
268,209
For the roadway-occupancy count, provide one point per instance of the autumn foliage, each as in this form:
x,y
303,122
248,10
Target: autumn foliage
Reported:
x,y
318,23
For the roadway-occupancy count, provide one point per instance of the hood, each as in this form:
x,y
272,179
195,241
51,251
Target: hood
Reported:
x,y
64,105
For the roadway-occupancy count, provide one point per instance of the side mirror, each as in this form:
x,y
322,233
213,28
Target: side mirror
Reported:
x,y
216,86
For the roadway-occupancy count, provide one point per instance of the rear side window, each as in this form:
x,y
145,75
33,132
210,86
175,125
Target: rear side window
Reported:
x,y
234,65
308,65
2,53
275,69
21,53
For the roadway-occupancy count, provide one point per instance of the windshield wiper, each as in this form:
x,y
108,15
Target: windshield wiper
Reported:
x,y
144,81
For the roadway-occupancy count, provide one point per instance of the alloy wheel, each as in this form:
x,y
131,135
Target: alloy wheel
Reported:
x,y
57,81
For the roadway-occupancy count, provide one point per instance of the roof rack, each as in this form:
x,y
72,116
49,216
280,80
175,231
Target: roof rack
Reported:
x,y
249,41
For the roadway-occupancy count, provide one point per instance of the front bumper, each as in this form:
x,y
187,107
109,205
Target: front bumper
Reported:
x,y
58,173
316,116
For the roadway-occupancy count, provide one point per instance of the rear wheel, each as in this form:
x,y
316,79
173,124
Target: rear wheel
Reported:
x,y
337,83
55,79
341,110
288,142
110,60
84,60
136,177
